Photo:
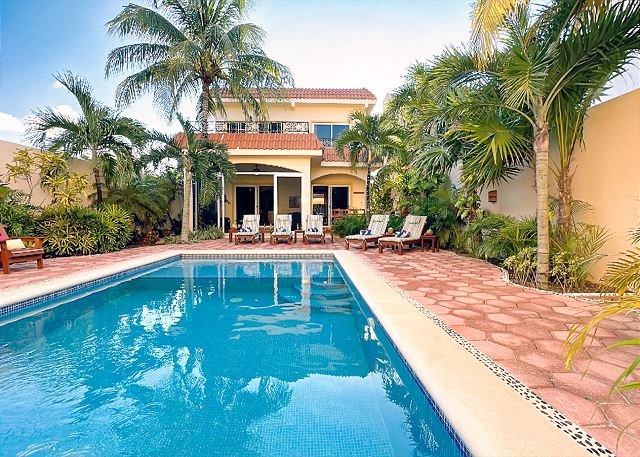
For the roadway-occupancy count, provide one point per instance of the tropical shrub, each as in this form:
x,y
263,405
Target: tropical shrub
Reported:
x,y
574,252
495,237
16,216
83,231
349,225
207,233
522,265
395,222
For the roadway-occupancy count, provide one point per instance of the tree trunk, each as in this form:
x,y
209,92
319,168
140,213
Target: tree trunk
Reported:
x,y
205,110
565,198
541,149
186,198
367,191
96,176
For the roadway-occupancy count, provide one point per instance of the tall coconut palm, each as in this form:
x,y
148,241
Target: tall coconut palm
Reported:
x,y
199,158
194,48
547,57
369,139
99,134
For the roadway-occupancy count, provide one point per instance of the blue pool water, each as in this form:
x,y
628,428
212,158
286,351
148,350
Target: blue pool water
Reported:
x,y
228,358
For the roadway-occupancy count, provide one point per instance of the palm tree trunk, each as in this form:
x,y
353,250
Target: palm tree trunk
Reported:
x,y
565,198
205,109
186,199
367,190
541,150
96,176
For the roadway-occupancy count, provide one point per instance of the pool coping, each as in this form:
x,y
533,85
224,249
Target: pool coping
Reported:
x,y
492,415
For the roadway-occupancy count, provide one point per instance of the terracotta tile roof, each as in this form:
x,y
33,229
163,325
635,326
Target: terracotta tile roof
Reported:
x,y
323,94
331,155
272,141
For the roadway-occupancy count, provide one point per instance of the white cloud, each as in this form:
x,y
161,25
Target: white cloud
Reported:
x,y
66,110
11,124
57,84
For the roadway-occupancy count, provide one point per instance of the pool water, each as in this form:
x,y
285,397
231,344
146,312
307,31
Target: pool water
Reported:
x,y
229,358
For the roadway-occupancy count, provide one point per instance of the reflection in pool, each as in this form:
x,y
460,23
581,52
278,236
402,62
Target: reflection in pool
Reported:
x,y
247,358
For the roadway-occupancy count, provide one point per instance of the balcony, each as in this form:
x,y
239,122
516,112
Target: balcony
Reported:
x,y
261,127
327,142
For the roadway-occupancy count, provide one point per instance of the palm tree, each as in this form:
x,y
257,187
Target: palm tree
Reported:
x,y
194,48
99,133
369,140
148,199
199,159
538,74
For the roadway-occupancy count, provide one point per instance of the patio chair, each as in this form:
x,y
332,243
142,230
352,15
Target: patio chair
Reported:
x,y
282,229
376,230
14,250
250,230
314,230
410,234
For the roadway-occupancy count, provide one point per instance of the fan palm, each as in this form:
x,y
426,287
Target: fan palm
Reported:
x,y
99,133
194,48
199,159
369,140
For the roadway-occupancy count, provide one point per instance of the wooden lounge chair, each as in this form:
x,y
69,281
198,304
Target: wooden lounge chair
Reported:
x,y
314,230
376,230
282,229
410,234
250,230
14,250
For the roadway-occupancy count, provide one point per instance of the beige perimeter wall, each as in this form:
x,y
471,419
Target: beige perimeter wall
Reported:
x,y
607,175
8,149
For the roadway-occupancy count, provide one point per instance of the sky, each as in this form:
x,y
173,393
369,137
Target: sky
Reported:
x,y
325,43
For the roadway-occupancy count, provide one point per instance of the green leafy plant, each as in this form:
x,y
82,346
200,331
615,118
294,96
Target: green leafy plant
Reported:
x,y
207,233
16,215
623,278
497,237
349,225
565,270
522,265
83,231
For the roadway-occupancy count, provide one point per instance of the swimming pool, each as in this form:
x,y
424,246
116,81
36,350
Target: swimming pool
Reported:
x,y
213,357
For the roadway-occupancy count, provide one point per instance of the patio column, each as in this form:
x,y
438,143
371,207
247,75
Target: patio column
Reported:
x,y
275,197
305,188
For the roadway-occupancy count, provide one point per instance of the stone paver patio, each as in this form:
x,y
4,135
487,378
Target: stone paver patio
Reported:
x,y
521,329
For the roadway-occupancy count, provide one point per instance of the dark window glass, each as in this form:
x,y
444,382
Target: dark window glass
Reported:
x,y
337,130
322,130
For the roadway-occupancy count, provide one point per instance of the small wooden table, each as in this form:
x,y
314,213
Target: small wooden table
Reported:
x,y
328,231
295,234
231,232
432,240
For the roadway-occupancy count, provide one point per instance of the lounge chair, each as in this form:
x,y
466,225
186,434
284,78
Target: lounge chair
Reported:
x,y
376,230
14,250
282,229
314,230
250,230
410,234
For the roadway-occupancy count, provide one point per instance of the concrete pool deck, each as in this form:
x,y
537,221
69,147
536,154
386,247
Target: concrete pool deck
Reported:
x,y
520,329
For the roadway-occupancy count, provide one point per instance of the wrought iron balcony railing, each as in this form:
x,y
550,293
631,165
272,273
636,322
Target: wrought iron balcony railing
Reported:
x,y
262,127
327,142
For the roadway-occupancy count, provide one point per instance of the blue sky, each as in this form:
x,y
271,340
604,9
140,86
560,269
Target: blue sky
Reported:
x,y
327,43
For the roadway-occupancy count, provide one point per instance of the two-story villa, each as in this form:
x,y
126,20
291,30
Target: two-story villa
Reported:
x,y
288,165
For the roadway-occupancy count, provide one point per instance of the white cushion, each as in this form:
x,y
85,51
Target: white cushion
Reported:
x,y
12,245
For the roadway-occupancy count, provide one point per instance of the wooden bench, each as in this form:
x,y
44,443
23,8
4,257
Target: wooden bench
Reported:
x,y
27,254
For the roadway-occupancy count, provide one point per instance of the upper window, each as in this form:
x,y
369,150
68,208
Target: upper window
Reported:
x,y
329,131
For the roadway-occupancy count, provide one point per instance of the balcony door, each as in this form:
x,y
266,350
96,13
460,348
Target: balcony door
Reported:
x,y
246,201
327,198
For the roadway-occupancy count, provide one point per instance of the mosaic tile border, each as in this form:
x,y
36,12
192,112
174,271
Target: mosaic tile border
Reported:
x,y
556,417
15,308
445,421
